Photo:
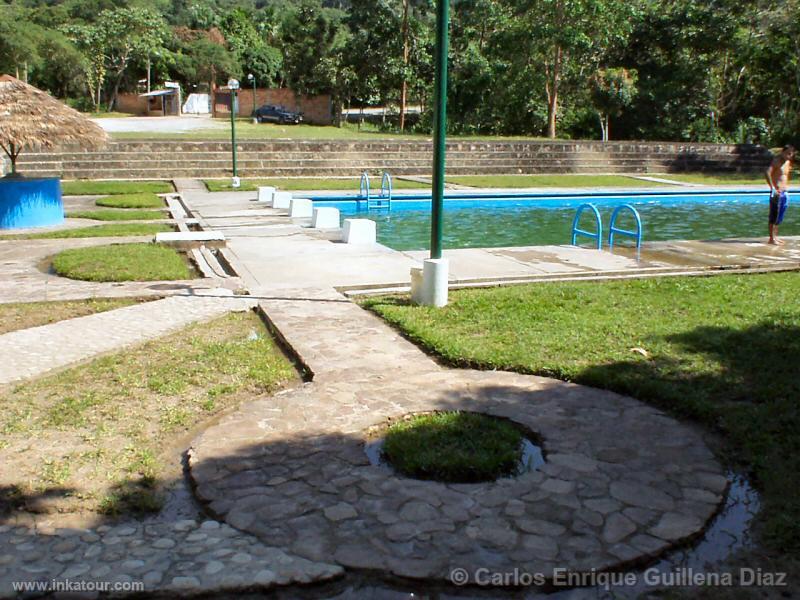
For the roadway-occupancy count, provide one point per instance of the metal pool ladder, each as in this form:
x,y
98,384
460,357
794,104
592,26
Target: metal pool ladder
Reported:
x,y
376,202
613,229
576,231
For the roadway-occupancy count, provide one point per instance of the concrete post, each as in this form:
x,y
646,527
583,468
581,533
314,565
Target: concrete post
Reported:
x,y
429,285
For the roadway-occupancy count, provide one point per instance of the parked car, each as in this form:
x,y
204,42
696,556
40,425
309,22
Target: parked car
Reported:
x,y
270,113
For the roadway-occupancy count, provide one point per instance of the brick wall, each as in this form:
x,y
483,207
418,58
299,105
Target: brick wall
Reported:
x,y
315,109
132,104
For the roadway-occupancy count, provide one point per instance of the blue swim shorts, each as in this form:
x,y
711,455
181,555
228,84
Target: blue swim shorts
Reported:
x,y
778,202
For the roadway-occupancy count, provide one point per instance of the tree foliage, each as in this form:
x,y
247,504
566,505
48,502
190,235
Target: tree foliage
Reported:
x,y
659,69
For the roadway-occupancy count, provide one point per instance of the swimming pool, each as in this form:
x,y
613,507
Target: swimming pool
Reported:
x,y
484,220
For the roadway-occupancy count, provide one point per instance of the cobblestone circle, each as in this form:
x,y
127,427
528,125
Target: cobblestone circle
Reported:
x,y
623,482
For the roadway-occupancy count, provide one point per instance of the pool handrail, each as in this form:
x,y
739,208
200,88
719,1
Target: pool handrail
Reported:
x,y
576,231
363,188
386,186
612,229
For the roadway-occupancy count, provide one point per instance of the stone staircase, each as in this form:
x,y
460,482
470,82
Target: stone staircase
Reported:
x,y
199,159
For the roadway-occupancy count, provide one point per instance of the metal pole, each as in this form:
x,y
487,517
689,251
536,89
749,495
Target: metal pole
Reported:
x,y
254,94
440,126
233,131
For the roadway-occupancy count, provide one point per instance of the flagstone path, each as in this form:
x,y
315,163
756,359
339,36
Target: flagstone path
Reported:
x,y
623,482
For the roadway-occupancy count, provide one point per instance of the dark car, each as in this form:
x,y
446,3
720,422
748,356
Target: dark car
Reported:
x,y
270,113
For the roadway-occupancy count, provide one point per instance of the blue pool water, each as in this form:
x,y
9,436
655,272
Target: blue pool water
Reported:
x,y
516,219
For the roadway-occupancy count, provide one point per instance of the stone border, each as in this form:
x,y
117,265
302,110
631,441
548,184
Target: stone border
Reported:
x,y
623,483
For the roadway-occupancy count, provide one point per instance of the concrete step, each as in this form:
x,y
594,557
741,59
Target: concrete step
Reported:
x,y
366,164
319,172
297,155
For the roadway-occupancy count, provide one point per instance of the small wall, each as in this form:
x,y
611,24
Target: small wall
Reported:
x,y
30,202
132,104
316,109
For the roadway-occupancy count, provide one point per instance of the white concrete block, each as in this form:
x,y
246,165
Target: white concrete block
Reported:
x,y
429,285
191,239
325,217
416,284
359,231
301,208
281,199
265,193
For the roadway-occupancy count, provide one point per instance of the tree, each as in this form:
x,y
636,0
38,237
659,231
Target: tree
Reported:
x,y
19,43
612,91
568,38
128,34
313,40
250,47
113,42
62,66
202,59
89,40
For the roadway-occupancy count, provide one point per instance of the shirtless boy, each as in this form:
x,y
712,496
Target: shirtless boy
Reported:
x,y
778,175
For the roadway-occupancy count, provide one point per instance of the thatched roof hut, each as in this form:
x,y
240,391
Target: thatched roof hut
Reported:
x,y
31,118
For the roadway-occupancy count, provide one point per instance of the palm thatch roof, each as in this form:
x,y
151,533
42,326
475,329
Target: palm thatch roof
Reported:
x,y
31,118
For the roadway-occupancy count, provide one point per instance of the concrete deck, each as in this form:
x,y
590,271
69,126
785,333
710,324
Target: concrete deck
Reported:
x,y
285,252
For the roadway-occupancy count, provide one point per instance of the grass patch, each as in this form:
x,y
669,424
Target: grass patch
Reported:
x,y
122,262
453,447
142,200
249,185
717,178
111,230
117,215
108,115
102,437
24,315
111,188
524,181
721,350
219,129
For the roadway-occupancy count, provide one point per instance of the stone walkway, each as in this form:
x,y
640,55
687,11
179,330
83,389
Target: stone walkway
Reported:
x,y
623,481
169,557
35,351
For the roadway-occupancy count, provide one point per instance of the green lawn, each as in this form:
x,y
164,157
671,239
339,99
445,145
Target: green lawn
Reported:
x,y
117,215
454,447
110,230
246,130
566,180
721,350
308,183
122,262
108,115
714,178
103,188
109,433
140,200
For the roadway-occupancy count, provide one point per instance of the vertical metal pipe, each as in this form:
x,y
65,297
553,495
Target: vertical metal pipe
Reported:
x,y
439,126
233,131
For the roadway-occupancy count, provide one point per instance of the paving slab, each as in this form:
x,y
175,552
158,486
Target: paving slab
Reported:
x,y
32,352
